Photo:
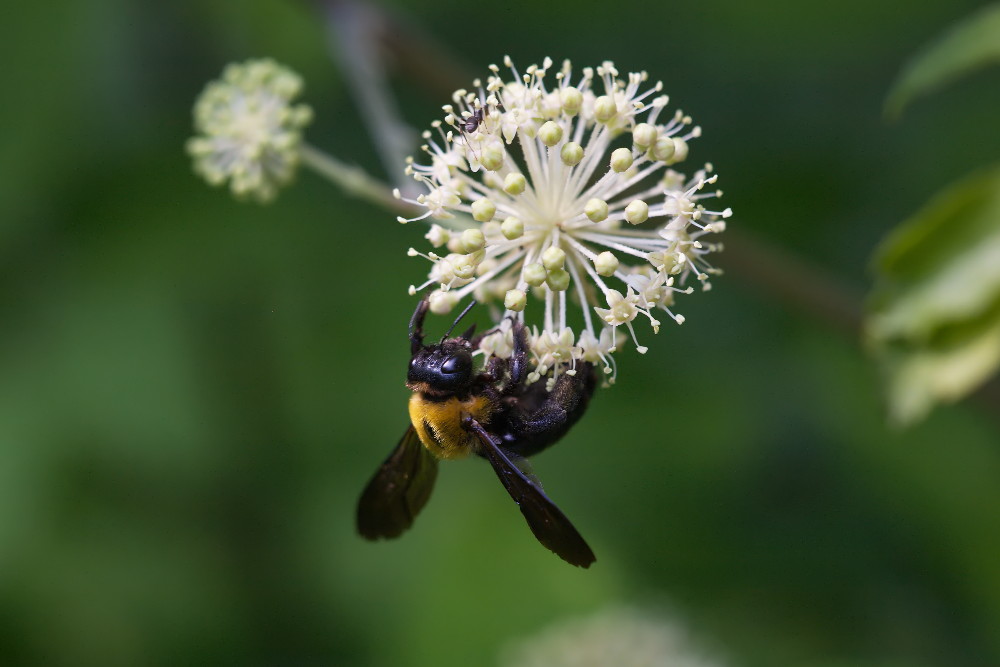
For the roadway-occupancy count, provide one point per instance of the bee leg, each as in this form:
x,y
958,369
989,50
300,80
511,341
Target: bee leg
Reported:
x,y
518,358
495,370
516,365
533,430
417,325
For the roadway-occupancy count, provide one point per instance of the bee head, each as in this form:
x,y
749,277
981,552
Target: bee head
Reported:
x,y
446,366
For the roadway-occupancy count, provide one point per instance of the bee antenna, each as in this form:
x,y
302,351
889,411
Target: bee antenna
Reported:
x,y
459,319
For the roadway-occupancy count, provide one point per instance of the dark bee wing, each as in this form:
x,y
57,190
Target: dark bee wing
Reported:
x,y
547,522
398,491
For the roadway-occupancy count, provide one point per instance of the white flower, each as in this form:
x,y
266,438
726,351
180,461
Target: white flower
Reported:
x,y
568,178
623,637
621,309
249,132
500,343
597,351
554,350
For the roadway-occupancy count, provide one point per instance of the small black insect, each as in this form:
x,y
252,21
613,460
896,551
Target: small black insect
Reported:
x,y
471,124
455,411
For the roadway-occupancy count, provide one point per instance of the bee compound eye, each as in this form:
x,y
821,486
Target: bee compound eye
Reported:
x,y
454,365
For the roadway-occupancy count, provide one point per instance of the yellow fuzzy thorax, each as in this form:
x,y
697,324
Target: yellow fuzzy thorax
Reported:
x,y
439,423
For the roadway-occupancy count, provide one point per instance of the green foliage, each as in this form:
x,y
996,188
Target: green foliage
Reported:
x,y
934,315
934,322
967,46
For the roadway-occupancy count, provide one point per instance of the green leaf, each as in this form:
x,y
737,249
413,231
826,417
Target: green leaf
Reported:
x,y
968,45
933,321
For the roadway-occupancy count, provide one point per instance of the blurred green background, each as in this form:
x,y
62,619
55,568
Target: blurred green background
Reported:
x,y
193,391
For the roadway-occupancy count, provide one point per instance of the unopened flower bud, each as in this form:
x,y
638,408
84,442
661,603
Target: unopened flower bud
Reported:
x,y
512,228
534,274
441,303
663,149
558,280
680,151
621,159
514,184
596,210
473,240
553,258
637,212
483,210
644,135
571,154
550,133
492,157
606,264
572,100
515,300
605,108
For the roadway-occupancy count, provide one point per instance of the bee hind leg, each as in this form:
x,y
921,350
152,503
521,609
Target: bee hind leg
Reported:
x,y
518,358
542,417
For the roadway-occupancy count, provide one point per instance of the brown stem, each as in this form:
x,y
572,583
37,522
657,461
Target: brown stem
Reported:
x,y
776,273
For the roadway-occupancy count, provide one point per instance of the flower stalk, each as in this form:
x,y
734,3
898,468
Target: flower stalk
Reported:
x,y
351,179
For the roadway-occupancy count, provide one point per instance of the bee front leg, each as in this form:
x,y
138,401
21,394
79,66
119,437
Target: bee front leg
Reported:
x,y
496,369
517,365
417,325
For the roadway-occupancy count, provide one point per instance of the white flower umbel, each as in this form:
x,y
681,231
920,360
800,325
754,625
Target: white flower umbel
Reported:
x,y
562,185
250,133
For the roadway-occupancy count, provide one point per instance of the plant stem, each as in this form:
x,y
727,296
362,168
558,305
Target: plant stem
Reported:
x,y
779,274
353,180
356,29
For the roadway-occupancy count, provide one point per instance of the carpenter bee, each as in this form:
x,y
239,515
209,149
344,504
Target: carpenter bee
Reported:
x,y
456,411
